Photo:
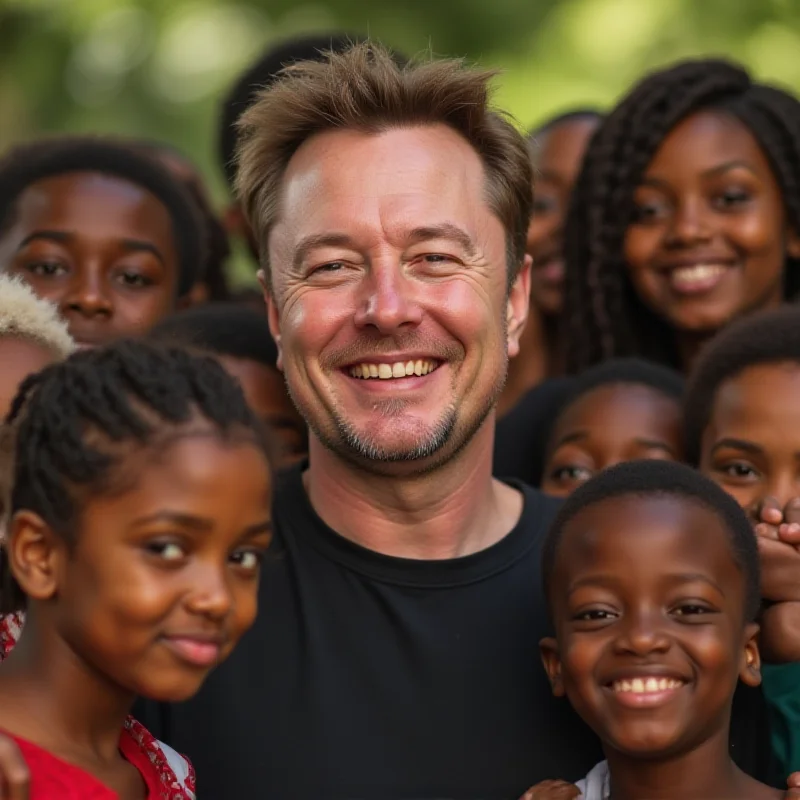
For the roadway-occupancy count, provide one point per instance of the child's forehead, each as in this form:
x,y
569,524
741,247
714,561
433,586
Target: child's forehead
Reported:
x,y
631,529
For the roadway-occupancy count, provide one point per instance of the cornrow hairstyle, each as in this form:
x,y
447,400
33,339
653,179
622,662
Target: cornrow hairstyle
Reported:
x,y
24,315
603,316
28,163
72,426
655,479
259,76
223,329
218,249
765,338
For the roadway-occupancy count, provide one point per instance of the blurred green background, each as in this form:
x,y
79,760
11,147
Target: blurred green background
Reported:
x,y
157,68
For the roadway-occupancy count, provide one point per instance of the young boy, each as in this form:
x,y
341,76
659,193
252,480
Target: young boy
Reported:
x,y
621,410
652,578
101,231
742,415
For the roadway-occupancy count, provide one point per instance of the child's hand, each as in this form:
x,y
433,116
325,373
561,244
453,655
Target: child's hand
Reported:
x,y
561,790
793,782
778,532
15,778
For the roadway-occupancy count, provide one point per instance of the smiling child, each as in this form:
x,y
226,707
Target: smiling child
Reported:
x,y
652,577
139,513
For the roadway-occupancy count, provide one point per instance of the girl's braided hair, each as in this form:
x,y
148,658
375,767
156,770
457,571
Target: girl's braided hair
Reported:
x,y
603,316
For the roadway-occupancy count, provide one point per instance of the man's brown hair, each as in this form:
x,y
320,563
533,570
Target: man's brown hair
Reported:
x,y
365,89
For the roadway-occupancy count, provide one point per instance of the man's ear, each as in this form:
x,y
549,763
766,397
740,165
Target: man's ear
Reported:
x,y
273,316
34,554
548,648
750,666
519,298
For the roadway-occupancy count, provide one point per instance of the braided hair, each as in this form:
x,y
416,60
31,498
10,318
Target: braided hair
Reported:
x,y
71,427
603,316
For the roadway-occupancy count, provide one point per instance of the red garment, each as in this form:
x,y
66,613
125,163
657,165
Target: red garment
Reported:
x,y
54,779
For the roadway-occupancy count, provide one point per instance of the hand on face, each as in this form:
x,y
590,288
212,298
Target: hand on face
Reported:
x,y
778,531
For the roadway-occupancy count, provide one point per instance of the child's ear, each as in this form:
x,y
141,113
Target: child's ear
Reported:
x,y
793,243
750,669
34,551
548,648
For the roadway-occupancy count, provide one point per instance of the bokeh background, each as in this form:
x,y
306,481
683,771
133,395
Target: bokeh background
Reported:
x,y
157,68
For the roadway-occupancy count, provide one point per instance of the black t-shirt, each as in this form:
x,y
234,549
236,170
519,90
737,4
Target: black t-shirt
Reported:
x,y
367,676
521,435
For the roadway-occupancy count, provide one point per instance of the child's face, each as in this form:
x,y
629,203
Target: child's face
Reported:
x,y
751,446
266,393
648,606
607,426
162,579
711,236
100,248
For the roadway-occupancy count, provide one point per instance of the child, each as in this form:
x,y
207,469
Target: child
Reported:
x,y
139,513
240,339
621,410
652,578
742,415
683,216
103,232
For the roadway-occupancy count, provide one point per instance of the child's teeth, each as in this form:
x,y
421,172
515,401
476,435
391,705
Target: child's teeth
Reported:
x,y
400,369
643,686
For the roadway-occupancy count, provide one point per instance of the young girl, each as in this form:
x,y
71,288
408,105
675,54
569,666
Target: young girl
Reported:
x,y
684,216
742,416
139,513
652,578
621,410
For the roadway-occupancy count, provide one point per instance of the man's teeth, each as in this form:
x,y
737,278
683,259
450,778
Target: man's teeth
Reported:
x,y
697,274
400,369
645,685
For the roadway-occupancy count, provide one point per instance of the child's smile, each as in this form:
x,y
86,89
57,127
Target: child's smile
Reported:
x,y
649,608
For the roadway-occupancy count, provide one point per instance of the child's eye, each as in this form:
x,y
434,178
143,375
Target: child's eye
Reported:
x,y
134,279
572,473
739,470
249,560
168,551
45,269
731,198
649,211
544,205
692,610
595,615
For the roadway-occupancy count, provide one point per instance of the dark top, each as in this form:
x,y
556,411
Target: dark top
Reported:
x,y
367,676
521,435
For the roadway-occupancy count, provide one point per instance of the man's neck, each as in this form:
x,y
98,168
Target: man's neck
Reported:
x,y
452,511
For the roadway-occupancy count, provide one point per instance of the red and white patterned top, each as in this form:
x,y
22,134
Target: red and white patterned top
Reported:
x,y
176,774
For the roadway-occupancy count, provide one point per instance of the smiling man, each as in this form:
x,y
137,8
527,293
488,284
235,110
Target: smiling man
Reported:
x,y
395,654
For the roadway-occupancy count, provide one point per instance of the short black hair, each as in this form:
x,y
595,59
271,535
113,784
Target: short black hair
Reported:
x,y
603,316
224,329
28,163
662,479
763,338
69,424
573,115
259,76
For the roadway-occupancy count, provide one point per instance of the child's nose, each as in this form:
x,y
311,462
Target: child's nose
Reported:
x,y
642,634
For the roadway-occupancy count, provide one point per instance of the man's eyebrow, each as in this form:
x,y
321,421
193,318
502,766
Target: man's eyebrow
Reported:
x,y
446,230
308,243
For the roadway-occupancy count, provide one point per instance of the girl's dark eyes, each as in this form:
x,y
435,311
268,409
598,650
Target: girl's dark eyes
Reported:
x,y
249,560
692,610
167,551
731,198
135,279
544,205
738,470
45,269
595,615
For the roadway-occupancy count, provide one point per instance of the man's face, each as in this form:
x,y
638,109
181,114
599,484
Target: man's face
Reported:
x,y
389,294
